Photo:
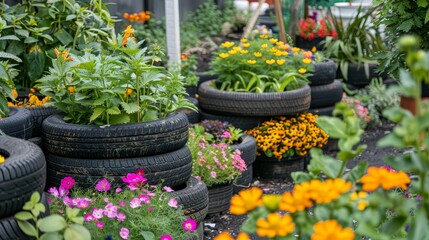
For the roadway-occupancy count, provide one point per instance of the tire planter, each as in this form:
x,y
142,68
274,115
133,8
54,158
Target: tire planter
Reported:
x,y
253,104
18,124
115,141
193,117
194,199
39,114
171,168
245,180
324,73
22,173
326,95
325,111
205,76
191,90
309,44
356,74
247,146
266,167
244,123
219,198
9,229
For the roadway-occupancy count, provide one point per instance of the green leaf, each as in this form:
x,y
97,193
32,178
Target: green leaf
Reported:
x,y
130,107
96,113
427,16
52,223
30,40
76,231
322,213
392,226
36,63
150,115
114,110
40,207
333,126
120,119
419,230
23,216
321,163
357,172
27,228
422,3
10,37
35,197
147,235
22,32
51,236
10,56
64,37
300,177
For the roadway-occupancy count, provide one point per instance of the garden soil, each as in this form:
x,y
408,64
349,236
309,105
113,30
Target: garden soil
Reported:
x,y
217,223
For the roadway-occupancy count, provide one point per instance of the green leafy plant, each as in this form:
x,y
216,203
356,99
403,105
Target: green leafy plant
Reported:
x,y
355,44
55,226
207,18
120,86
7,74
32,29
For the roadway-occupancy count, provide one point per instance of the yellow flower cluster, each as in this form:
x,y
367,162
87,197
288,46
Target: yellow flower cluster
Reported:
x,y
33,100
387,179
304,195
360,197
331,230
2,159
286,137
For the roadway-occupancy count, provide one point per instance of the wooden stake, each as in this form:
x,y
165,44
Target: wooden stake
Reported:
x,y
253,19
280,23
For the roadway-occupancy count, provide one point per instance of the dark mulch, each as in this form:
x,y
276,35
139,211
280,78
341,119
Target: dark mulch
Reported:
x,y
215,224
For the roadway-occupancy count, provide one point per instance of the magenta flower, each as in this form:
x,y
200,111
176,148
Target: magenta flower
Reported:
x,y
98,213
100,225
103,185
135,202
54,192
213,174
110,210
150,209
144,198
67,201
166,237
124,233
67,182
190,224
88,217
140,172
63,191
122,204
118,190
172,203
121,217
134,180
168,189
226,134
81,203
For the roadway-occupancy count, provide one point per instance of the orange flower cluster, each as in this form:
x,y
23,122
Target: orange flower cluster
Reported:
x,y
331,230
32,101
246,201
64,54
140,17
275,225
228,236
304,195
286,137
387,179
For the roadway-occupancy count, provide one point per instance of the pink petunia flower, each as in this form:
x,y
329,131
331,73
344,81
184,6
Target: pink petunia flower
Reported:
x,y
121,217
67,182
103,185
110,210
168,189
172,203
190,225
99,224
118,190
166,237
135,202
68,201
124,233
89,217
98,213
213,174
54,192
81,203
144,198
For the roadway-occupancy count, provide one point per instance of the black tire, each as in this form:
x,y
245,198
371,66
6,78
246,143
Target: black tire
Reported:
x,y
326,95
39,114
194,199
204,76
18,124
171,169
326,111
193,117
36,140
220,198
247,146
244,123
22,173
116,141
324,73
356,74
9,229
245,180
191,91
253,104
271,168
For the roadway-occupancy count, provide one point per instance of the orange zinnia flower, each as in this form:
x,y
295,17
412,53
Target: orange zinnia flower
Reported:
x,y
246,200
385,178
274,225
331,230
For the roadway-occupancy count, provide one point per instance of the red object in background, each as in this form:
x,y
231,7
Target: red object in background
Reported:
x,y
270,2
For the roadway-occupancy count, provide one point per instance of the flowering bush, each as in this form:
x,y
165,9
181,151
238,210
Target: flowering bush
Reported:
x,y
285,137
120,86
136,212
358,109
309,29
261,65
213,163
32,99
219,131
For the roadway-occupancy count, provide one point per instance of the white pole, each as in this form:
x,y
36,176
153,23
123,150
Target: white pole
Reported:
x,y
173,31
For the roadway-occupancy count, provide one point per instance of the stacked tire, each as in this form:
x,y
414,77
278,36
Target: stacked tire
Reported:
x,y
359,77
325,90
247,146
18,124
22,173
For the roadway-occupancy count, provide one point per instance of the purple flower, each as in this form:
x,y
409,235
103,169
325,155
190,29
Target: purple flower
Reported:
x,y
189,225
81,203
135,202
67,182
98,213
226,134
54,192
110,210
103,185
122,204
133,179
100,225
166,237
419,198
118,190
63,191
172,203
124,233
89,217
121,217
168,189
67,201
213,174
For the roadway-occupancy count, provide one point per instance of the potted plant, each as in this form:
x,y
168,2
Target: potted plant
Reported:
x,y
283,143
116,105
354,48
217,165
312,32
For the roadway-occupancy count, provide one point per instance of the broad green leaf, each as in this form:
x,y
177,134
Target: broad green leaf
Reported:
x,y
30,40
346,155
23,216
333,126
427,16
10,56
96,113
150,115
35,197
300,177
321,213
52,223
114,110
419,229
64,37
40,207
357,172
392,140
130,107
22,32
51,236
321,163
120,119
27,228
10,38
392,226
77,232
36,62
147,235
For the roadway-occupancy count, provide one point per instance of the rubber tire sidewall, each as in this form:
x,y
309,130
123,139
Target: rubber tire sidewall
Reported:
x,y
18,124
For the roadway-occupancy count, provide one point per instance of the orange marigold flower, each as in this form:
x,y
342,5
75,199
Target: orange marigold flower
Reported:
x,y
14,93
274,225
246,201
224,236
243,236
331,230
298,201
385,178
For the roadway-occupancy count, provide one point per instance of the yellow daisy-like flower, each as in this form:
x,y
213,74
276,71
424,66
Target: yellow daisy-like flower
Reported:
x,y
273,40
280,61
257,54
306,60
236,48
313,49
279,43
227,44
331,230
2,159
263,36
302,70
295,49
251,61
273,50
246,45
232,52
278,53
243,40
246,201
264,45
271,61
244,51
274,225
223,55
